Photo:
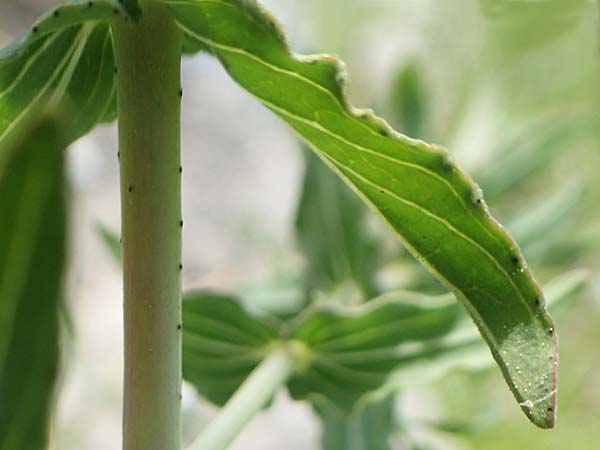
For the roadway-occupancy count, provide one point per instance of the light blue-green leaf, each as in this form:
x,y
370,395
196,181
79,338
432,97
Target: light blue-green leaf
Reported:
x,y
353,350
222,344
351,356
434,207
32,260
461,348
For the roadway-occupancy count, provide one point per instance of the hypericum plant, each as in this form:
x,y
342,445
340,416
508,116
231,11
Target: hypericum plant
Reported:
x,y
65,75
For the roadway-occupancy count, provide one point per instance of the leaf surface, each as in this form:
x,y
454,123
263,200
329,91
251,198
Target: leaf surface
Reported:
x,y
32,260
435,208
332,231
222,344
65,61
353,350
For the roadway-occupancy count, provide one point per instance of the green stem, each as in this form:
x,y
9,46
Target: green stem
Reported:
x,y
254,394
148,55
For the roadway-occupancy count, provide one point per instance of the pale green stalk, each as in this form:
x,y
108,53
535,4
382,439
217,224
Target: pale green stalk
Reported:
x,y
148,72
253,395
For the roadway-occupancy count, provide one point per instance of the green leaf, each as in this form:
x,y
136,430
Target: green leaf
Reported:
x,y
332,231
32,261
367,428
66,62
222,344
408,100
417,188
353,350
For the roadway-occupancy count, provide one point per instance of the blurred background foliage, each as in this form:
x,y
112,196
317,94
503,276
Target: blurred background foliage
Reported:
x,y
511,87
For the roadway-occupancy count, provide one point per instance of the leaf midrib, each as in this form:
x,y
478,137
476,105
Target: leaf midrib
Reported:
x,y
320,127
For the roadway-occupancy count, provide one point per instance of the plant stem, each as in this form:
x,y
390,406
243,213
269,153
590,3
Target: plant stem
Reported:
x,y
252,395
148,58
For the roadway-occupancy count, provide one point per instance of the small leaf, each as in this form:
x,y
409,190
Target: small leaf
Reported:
x,y
367,428
347,357
332,231
222,344
32,261
433,206
409,101
111,241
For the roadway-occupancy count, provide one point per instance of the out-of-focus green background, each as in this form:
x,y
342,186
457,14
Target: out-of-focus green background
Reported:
x,y
511,87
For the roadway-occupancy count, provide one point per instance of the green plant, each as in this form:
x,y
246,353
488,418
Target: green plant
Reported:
x,y
73,65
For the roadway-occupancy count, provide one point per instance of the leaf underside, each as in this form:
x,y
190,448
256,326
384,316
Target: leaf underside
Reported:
x,y
417,188
32,258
